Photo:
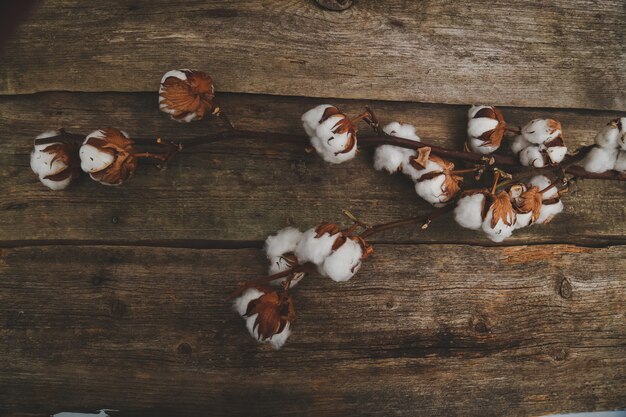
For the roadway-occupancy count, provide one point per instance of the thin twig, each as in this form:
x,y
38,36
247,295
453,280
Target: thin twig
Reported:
x,y
425,220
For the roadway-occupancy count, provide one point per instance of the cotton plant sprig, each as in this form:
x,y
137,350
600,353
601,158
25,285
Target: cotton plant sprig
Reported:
x,y
497,210
108,155
266,304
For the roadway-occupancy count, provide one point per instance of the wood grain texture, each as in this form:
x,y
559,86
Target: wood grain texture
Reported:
x,y
244,190
559,53
421,330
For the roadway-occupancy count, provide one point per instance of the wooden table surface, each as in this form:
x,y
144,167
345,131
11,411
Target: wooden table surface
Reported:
x,y
113,297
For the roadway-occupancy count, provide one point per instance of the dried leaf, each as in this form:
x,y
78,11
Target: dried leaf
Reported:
x,y
421,160
502,209
329,228
184,97
528,201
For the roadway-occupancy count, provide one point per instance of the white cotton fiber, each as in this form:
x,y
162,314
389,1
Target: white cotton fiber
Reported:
x,y
476,127
402,130
42,165
531,156
416,174
284,241
93,159
538,131
478,146
335,142
468,211
312,118
276,341
542,182
326,148
608,137
556,153
343,263
240,304
432,190
314,249
180,74
327,144
523,219
548,211
501,231
392,158
620,163
519,143
600,159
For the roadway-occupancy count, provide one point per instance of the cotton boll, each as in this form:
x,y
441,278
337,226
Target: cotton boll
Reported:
x,y
548,211
344,262
54,162
538,131
284,241
531,157
314,249
600,159
312,118
468,211
267,313
186,95
556,153
485,129
519,143
333,135
499,222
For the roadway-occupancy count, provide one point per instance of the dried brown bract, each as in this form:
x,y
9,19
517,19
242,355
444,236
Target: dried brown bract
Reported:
x,y
186,95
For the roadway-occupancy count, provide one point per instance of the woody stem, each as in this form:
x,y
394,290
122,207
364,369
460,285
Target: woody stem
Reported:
x,y
308,267
465,171
424,220
551,186
162,157
496,177
366,114
516,130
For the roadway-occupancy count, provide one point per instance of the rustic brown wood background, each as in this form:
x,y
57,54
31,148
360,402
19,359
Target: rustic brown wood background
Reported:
x,y
112,297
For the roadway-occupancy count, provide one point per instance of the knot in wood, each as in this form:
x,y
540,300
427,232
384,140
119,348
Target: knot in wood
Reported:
x,y
565,289
335,5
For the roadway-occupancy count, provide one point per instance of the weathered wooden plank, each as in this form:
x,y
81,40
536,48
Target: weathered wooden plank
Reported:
x,y
560,53
421,330
244,190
